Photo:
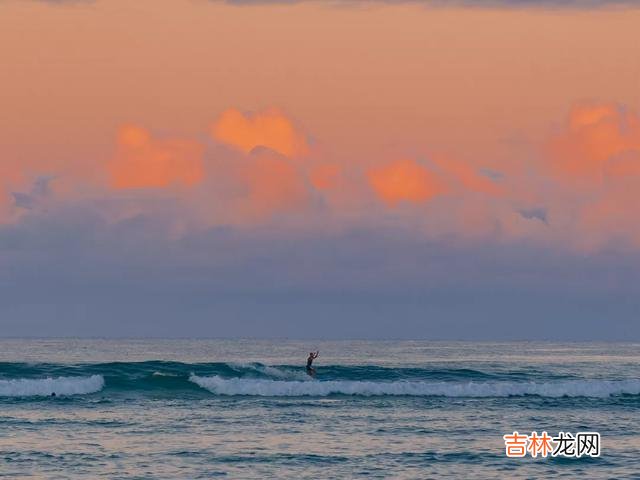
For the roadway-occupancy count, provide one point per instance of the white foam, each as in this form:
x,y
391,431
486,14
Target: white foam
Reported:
x,y
278,388
275,372
28,387
284,374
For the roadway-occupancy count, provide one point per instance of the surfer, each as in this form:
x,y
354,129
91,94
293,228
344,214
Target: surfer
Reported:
x,y
312,356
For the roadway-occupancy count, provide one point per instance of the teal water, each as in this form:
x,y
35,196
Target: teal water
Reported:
x,y
246,409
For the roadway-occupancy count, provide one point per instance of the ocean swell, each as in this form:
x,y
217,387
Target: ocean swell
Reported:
x,y
174,379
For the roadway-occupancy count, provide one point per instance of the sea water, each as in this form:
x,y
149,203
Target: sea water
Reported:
x,y
187,409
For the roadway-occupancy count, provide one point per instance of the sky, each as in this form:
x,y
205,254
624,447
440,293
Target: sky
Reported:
x,y
465,170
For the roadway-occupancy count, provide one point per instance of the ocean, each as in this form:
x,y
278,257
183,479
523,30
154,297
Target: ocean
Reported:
x,y
195,409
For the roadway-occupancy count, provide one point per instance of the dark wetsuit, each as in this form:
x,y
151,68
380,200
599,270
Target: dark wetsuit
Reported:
x,y
310,369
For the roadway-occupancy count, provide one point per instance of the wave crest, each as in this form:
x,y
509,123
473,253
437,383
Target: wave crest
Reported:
x,y
33,387
278,388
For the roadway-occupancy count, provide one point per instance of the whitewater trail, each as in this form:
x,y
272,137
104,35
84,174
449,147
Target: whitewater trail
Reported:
x,y
278,388
32,387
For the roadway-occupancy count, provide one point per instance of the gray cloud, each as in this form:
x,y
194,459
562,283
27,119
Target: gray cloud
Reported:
x,y
539,213
29,200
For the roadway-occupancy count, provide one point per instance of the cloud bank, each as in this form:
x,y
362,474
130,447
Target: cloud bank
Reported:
x,y
256,169
251,221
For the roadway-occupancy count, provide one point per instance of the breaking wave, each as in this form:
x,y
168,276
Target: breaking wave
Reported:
x,y
196,380
279,388
34,387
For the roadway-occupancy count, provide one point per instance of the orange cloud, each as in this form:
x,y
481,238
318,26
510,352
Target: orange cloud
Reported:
x,y
272,184
627,164
595,159
144,162
269,128
594,136
326,176
405,181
